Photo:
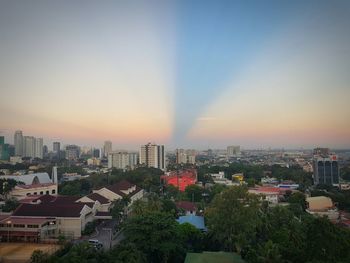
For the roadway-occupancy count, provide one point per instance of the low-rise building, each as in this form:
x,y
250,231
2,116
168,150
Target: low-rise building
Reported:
x,y
47,217
32,184
186,208
269,194
322,206
119,190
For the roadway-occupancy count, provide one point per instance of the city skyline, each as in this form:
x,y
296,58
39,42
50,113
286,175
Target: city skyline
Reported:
x,y
180,73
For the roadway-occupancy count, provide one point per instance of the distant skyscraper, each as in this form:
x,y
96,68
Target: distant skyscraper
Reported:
x,y
326,168
107,148
29,146
153,155
4,149
96,153
56,147
233,151
11,149
45,151
72,152
18,141
185,156
38,150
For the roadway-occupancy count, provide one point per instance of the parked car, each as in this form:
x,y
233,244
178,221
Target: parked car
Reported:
x,y
96,244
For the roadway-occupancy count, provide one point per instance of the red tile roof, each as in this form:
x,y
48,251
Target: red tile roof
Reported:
x,y
49,210
25,220
31,186
118,187
98,197
186,205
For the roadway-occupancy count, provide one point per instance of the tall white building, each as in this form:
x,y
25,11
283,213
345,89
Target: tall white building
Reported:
x,y
38,150
153,155
122,160
185,156
233,151
29,146
18,140
107,148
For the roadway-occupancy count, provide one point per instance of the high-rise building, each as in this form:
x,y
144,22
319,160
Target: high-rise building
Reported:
x,y
4,149
72,152
96,153
326,168
185,156
321,151
56,147
38,150
107,148
18,141
11,150
122,160
233,151
152,155
45,151
29,146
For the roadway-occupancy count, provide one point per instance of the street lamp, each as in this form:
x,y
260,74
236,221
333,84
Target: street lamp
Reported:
x,y
8,230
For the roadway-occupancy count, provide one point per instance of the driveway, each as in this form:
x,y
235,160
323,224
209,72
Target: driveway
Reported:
x,y
105,234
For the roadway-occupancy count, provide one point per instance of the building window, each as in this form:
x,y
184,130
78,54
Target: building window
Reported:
x,y
18,225
35,193
32,226
53,191
47,192
28,194
41,192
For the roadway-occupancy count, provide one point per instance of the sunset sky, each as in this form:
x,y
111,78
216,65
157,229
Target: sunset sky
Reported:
x,y
182,73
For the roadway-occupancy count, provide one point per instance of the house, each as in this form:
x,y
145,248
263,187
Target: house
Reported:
x,y
268,193
120,190
187,207
103,204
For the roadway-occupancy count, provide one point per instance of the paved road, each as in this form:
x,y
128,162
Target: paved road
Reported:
x,y
106,236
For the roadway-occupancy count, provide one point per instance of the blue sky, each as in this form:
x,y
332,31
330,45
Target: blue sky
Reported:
x,y
182,73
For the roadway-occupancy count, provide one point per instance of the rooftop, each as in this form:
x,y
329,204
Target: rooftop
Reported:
x,y
49,210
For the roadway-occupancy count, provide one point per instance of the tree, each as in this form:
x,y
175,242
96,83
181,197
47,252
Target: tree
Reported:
x,y
6,186
326,242
38,256
117,210
297,203
191,237
156,235
82,252
194,193
70,188
172,191
126,253
168,206
233,217
10,205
